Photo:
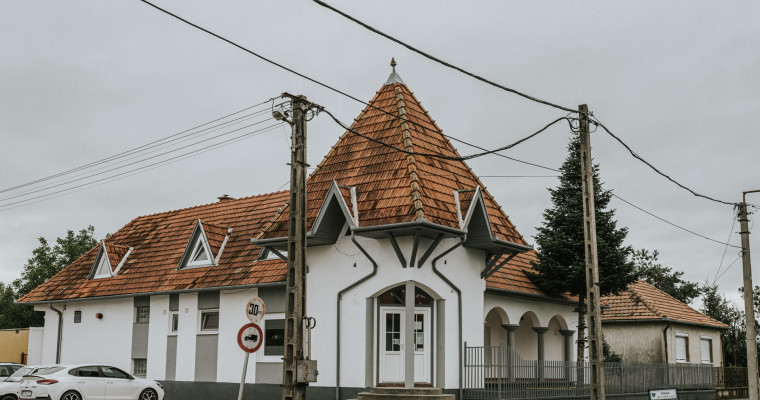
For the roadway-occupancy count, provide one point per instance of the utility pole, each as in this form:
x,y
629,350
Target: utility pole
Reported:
x,y
594,315
749,307
295,289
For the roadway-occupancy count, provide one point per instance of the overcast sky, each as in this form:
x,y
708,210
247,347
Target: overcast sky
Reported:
x,y
678,81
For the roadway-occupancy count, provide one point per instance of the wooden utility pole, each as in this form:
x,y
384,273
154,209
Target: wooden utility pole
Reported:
x,y
594,315
295,289
749,307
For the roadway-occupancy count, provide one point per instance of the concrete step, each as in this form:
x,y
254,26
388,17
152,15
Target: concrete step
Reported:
x,y
396,393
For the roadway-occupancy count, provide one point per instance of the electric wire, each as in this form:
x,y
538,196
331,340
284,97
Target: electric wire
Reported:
x,y
441,156
444,63
127,152
636,156
179,158
125,162
157,163
723,257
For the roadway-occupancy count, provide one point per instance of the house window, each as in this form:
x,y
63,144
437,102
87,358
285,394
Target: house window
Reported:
x,y
173,322
682,348
267,254
209,321
274,337
140,367
77,317
706,344
142,314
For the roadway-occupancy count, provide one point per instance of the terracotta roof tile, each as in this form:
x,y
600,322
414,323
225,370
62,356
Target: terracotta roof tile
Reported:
x,y
159,240
642,301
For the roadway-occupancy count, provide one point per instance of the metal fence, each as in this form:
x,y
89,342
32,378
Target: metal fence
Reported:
x,y
497,372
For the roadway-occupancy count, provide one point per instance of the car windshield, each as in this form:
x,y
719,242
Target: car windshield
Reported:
x,y
8,369
16,377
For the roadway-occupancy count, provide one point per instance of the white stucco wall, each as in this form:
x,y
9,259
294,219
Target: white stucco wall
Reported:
x,y
186,335
158,329
232,317
36,340
332,268
103,340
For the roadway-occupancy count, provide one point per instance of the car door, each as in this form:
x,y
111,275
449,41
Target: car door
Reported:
x,y
90,383
119,384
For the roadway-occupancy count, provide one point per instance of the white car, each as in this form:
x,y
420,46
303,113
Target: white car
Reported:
x,y
7,369
9,385
88,382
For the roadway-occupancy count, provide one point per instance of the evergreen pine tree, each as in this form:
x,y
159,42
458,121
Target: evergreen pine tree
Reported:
x,y
561,258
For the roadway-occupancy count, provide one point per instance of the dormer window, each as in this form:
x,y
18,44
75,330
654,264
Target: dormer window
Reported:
x,y
269,254
109,261
205,247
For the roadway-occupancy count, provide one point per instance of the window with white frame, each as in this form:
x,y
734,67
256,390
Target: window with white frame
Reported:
x,y
682,348
173,322
142,314
274,337
209,321
706,345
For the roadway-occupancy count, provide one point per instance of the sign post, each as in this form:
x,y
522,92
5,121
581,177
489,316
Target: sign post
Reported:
x,y
250,337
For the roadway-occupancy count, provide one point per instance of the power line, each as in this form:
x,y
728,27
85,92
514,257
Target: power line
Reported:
x,y
518,176
127,152
149,166
132,163
636,156
441,156
723,257
454,67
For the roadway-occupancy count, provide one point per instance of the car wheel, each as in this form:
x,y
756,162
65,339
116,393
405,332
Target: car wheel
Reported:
x,y
8,397
71,395
148,394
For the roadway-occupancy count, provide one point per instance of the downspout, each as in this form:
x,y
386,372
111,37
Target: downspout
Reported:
x,y
60,333
340,294
459,299
665,340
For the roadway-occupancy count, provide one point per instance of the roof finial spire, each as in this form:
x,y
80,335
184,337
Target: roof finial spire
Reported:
x,y
394,77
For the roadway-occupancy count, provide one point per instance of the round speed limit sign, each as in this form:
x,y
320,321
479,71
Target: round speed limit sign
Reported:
x,y
255,310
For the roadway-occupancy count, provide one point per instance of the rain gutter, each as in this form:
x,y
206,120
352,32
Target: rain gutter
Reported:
x,y
60,333
340,294
459,300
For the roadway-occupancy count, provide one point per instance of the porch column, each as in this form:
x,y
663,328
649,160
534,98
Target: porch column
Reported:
x,y
540,330
510,328
568,334
409,336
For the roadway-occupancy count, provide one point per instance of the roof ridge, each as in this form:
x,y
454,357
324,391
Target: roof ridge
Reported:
x,y
648,303
679,302
226,202
411,165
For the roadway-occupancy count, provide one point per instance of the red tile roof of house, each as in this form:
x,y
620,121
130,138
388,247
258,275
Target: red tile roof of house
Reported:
x,y
644,302
160,240
390,187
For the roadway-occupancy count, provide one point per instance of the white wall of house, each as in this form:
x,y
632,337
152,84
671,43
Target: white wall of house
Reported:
x,y
158,330
332,268
186,335
232,317
36,340
91,340
694,334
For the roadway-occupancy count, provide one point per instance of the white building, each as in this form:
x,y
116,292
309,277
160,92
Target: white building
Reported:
x,y
409,257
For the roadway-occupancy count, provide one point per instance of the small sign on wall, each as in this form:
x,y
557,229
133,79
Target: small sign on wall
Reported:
x,y
664,393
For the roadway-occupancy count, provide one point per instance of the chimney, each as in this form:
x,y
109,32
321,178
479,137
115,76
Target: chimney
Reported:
x,y
225,197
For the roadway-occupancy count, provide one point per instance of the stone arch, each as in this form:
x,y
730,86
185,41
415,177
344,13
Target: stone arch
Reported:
x,y
526,338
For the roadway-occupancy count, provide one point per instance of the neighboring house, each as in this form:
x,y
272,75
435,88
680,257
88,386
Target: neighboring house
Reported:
x,y
390,235
645,324
14,345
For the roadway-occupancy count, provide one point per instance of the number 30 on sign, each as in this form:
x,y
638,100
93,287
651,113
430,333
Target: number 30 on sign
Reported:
x,y
254,310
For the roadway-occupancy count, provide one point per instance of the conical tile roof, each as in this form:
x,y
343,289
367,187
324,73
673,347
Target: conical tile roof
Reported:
x,y
392,186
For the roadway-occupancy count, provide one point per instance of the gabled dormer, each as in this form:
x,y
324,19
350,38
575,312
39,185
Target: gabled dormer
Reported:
x,y
109,260
205,247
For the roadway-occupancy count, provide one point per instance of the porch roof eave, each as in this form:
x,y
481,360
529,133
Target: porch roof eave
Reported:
x,y
533,296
